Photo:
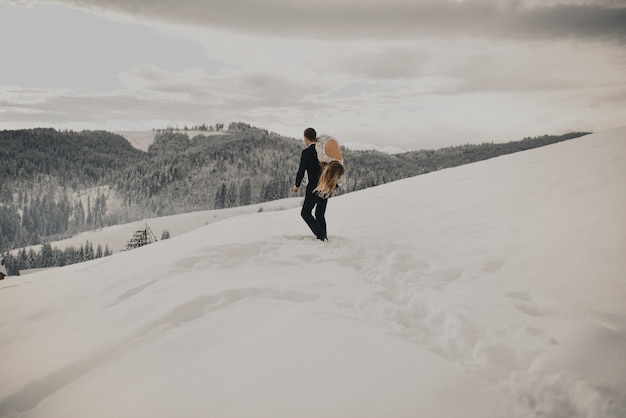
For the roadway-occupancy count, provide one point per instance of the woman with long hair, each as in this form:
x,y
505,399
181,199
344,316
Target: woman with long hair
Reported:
x,y
331,173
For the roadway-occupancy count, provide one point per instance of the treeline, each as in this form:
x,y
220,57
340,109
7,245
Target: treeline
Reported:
x,y
202,127
52,257
47,175
76,159
432,160
29,219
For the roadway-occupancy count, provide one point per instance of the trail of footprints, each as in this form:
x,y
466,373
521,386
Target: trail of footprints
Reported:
x,y
409,299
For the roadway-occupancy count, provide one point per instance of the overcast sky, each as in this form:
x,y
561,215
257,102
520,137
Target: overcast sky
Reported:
x,y
402,73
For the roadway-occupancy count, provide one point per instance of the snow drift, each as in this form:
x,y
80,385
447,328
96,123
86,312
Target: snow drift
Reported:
x,y
489,290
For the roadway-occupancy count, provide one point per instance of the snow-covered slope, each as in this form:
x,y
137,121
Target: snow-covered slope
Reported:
x,y
490,290
116,237
139,139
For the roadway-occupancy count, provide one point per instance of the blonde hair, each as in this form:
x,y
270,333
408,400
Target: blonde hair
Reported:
x,y
331,173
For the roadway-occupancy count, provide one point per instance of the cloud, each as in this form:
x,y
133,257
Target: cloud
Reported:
x,y
526,69
233,90
391,72
384,62
53,46
154,94
392,19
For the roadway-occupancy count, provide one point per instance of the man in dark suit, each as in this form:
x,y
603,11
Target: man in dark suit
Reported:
x,y
310,164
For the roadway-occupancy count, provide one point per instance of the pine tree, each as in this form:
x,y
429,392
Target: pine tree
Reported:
x,y
72,256
79,213
33,259
23,260
220,197
89,220
231,195
245,194
47,256
89,253
59,257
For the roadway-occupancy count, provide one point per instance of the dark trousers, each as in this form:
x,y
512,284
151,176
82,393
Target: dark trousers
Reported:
x,y
317,223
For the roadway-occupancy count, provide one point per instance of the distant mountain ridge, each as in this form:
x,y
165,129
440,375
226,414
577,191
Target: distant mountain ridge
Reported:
x,y
87,157
56,183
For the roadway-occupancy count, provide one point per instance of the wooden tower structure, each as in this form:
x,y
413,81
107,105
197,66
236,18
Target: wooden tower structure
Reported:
x,y
141,237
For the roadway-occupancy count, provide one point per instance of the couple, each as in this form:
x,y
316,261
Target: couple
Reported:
x,y
323,163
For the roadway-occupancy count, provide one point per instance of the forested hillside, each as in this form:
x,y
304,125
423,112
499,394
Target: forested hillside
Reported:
x,y
54,183
75,158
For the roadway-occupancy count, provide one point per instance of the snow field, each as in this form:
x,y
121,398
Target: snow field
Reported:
x,y
489,290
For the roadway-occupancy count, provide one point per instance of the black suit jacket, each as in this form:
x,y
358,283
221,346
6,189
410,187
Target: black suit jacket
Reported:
x,y
310,164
